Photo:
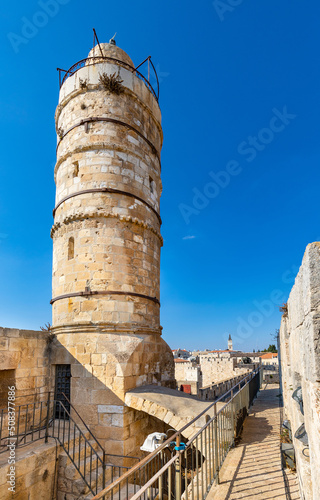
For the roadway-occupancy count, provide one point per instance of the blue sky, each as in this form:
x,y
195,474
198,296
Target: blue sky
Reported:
x,y
240,161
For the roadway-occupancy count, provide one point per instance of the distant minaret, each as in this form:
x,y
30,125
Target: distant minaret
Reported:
x,y
230,348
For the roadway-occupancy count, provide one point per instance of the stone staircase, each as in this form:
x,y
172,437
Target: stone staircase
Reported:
x,y
70,483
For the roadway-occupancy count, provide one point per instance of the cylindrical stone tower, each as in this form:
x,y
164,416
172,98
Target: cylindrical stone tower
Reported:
x,y
107,241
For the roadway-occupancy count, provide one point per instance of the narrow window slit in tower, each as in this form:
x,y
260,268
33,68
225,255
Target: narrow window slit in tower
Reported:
x,y
75,169
152,184
71,248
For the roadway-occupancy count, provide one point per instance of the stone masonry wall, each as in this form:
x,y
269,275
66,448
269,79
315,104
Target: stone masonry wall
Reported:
x,y
188,372
27,352
35,472
218,367
104,367
300,366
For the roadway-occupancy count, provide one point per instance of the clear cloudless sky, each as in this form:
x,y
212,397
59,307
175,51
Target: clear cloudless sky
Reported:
x,y
226,72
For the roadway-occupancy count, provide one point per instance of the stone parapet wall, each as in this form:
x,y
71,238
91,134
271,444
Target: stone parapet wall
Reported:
x,y
300,366
35,470
26,355
189,373
219,367
214,391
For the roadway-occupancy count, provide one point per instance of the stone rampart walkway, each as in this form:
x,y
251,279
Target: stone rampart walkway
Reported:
x,y
252,470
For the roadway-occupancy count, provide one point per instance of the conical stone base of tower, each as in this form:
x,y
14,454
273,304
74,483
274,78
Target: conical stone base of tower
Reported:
x,y
106,245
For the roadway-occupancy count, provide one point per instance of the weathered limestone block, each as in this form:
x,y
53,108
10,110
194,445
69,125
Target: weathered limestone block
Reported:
x,y
35,473
9,360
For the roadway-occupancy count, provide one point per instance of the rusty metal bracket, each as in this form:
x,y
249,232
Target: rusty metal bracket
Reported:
x,y
106,190
95,37
89,293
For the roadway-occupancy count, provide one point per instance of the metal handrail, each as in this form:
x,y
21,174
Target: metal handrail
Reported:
x,y
237,387
155,477
26,423
52,419
93,452
34,394
93,437
89,61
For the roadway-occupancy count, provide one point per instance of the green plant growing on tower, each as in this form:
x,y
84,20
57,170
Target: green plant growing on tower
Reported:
x,y
83,84
113,83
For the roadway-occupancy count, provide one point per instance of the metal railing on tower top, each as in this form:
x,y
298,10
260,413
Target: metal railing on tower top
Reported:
x,y
89,61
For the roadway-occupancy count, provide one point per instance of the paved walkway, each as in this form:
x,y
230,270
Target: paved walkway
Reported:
x,y
252,470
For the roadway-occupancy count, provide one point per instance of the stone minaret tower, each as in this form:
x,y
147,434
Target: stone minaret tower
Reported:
x,y
230,347
107,241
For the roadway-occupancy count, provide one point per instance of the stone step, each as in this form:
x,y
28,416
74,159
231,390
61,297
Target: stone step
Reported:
x,y
80,487
71,471
125,494
65,461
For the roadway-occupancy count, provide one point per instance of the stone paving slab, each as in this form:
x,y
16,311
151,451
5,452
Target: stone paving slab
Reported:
x,y
252,470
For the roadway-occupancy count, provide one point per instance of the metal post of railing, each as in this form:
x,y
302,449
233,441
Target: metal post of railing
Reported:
x,y
232,418
216,442
178,468
47,419
208,454
1,422
103,470
161,477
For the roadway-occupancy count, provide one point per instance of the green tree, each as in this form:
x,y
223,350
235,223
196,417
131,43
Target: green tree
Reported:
x,y
271,348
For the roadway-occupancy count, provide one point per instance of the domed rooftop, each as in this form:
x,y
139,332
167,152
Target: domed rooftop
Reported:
x,y
111,50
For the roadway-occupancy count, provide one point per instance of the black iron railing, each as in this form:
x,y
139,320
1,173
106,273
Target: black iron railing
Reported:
x,y
174,469
89,61
73,440
25,423
187,469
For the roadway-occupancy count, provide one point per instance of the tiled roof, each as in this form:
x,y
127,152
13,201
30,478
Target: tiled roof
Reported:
x,y
269,355
220,350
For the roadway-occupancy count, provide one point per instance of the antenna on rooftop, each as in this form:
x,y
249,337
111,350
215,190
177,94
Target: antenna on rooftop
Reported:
x,y
112,40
